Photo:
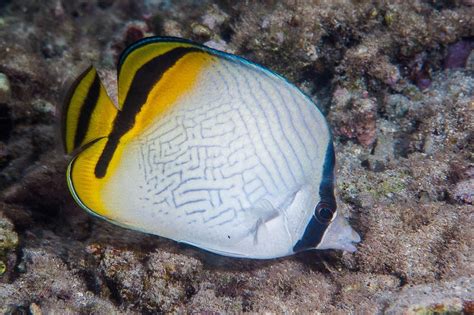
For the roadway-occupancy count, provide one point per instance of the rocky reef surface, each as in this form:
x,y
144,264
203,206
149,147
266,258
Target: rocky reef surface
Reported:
x,y
396,81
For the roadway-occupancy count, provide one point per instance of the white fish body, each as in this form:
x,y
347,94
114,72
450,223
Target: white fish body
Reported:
x,y
237,165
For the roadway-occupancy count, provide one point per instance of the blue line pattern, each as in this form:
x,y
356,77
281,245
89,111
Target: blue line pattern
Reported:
x,y
233,152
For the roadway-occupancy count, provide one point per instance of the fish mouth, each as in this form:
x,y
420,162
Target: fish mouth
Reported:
x,y
339,235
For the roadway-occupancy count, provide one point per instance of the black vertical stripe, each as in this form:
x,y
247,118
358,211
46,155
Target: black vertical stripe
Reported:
x,y
145,78
90,102
316,227
67,104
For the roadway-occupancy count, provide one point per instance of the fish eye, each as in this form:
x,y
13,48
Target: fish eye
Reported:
x,y
324,212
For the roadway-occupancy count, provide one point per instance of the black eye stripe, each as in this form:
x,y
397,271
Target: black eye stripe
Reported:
x,y
321,219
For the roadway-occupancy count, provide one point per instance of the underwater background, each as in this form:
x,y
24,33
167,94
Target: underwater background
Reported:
x,y
395,80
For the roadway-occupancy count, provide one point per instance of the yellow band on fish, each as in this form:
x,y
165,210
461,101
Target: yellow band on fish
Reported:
x,y
88,112
98,162
137,59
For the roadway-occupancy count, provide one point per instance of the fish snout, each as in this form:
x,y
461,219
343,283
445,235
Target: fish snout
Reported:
x,y
340,235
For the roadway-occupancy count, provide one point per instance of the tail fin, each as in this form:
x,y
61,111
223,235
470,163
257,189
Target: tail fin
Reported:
x,y
88,112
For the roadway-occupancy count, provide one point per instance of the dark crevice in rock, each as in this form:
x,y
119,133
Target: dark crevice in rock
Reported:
x,y
114,290
6,123
92,281
227,33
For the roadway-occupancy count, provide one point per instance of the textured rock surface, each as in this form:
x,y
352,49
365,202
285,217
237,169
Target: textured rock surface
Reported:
x,y
5,89
395,79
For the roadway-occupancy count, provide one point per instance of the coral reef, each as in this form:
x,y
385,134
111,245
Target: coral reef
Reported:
x,y
396,81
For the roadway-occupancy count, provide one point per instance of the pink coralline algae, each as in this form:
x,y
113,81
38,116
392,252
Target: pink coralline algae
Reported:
x,y
354,116
464,191
458,54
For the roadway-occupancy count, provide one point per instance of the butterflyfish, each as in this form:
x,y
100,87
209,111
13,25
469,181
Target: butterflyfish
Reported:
x,y
204,148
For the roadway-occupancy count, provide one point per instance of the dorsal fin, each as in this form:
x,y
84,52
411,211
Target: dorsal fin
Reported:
x,y
142,52
148,48
87,113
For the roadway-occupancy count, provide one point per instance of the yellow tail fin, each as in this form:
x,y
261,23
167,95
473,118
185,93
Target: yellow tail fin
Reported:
x,y
88,112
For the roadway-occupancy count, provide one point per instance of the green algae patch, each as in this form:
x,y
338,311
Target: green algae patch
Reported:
x,y
3,268
440,308
8,242
8,237
387,185
394,185
378,185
